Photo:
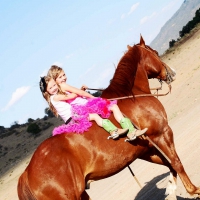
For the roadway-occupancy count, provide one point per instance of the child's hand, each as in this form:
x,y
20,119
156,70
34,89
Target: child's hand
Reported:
x,y
84,87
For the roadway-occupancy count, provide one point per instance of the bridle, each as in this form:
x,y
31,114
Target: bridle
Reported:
x,y
169,78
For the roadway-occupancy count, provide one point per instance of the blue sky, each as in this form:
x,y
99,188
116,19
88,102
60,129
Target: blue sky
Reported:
x,y
86,38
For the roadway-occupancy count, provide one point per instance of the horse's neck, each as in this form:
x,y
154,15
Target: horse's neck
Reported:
x,y
129,78
141,84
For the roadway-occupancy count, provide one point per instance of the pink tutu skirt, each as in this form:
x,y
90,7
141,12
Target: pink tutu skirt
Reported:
x,y
80,115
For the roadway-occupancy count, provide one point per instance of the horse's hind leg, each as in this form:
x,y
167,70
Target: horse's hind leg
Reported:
x,y
155,156
171,186
85,196
166,144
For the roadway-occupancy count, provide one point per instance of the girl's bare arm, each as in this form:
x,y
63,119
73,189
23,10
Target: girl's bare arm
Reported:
x,y
68,88
62,97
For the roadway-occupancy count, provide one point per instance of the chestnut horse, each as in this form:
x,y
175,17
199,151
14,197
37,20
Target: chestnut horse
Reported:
x,y
62,165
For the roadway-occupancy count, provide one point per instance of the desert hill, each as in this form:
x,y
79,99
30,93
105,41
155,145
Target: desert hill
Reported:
x,y
17,143
171,28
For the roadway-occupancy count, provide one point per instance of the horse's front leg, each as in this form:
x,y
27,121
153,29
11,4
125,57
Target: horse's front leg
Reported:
x,y
166,143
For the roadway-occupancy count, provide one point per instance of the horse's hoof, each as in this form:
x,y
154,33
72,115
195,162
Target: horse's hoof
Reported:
x,y
171,197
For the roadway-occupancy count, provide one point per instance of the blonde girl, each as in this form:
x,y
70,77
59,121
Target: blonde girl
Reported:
x,y
59,76
77,112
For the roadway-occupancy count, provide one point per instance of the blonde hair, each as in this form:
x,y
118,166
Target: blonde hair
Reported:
x,y
47,96
54,72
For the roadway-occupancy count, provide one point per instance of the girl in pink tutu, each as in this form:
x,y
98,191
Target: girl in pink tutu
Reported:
x,y
85,108
79,109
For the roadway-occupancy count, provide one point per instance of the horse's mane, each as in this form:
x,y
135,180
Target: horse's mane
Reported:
x,y
124,76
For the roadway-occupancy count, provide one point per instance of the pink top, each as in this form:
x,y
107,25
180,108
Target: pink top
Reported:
x,y
78,101
64,107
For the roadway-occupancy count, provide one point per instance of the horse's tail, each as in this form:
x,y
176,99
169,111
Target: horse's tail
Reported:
x,y
23,189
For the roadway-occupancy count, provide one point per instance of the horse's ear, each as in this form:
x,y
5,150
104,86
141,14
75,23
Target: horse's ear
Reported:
x,y
128,47
142,42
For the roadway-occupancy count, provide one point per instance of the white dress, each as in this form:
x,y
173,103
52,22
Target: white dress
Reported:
x,y
63,108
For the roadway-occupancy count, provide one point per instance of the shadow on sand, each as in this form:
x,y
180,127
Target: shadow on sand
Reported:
x,y
151,192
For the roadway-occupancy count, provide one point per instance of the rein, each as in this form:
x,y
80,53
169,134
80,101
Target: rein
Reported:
x,y
139,95
158,88
143,95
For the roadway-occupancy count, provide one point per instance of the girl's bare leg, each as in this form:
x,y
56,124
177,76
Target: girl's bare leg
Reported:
x,y
95,117
117,112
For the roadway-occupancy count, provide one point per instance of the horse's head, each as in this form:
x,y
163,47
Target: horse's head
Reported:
x,y
136,66
153,65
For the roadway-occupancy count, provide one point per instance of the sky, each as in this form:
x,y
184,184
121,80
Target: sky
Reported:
x,y
86,38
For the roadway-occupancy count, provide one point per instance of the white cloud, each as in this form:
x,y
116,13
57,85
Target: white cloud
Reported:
x,y
146,18
16,96
133,7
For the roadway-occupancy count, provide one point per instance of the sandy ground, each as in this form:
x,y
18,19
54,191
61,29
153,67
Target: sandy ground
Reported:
x,y
183,109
